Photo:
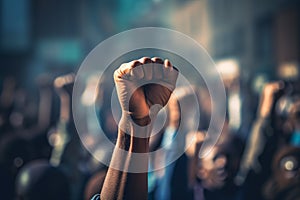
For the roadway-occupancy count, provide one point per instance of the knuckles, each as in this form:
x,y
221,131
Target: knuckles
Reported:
x,y
147,68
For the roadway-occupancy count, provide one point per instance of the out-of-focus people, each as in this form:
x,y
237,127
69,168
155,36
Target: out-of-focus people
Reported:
x,y
284,183
68,152
256,140
230,72
62,136
8,91
15,152
23,137
108,124
172,180
216,171
40,180
275,128
259,143
239,110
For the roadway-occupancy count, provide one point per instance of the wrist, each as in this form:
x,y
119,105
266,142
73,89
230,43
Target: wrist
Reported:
x,y
139,145
132,144
141,121
136,127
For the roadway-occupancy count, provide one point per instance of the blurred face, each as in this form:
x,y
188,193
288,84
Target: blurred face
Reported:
x,y
219,167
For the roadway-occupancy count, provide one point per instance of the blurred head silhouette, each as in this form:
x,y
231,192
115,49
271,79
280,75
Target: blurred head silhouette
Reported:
x,y
39,180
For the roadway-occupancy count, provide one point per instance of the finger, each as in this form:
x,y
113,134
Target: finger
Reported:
x,y
136,70
157,67
147,67
167,64
170,73
167,67
157,60
171,68
122,71
145,60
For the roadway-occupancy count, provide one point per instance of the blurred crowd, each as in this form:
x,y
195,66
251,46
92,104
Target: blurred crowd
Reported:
x,y
257,155
256,48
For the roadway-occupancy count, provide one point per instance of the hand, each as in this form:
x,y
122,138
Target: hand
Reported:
x,y
144,86
267,97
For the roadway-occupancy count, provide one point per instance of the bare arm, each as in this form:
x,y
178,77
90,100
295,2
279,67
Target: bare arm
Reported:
x,y
122,184
257,139
141,86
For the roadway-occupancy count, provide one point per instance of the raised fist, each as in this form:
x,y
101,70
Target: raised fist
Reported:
x,y
144,86
267,97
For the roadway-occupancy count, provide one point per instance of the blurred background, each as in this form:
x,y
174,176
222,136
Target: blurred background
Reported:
x,y
42,44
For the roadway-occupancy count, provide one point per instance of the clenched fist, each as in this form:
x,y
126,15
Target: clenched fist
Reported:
x,y
267,97
144,86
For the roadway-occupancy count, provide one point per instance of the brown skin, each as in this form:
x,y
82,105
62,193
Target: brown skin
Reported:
x,y
267,98
125,185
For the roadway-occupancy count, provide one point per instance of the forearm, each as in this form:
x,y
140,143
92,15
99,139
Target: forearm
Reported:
x,y
136,186
140,103
116,177
119,183
254,148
